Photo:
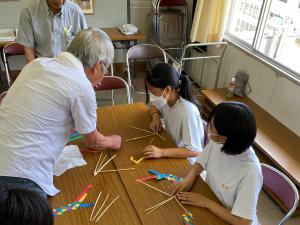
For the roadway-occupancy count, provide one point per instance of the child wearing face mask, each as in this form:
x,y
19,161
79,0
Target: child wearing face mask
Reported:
x,y
233,169
171,97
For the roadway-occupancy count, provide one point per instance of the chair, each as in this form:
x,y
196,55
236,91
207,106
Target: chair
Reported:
x,y
9,50
202,54
281,188
142,52
2,95
113,83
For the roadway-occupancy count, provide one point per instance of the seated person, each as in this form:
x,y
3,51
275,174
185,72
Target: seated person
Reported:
x,y
233,170
171,96
23,207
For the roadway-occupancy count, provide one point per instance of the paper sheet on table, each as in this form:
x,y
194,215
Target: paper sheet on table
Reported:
x,y
69,158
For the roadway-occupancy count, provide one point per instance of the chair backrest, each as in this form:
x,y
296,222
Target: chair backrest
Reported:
x,y
12,49
282,188
143,52
113,83
2,95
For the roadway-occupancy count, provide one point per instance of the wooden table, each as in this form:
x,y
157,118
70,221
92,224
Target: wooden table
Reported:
x,y
112,32
275,140
116,35
135,197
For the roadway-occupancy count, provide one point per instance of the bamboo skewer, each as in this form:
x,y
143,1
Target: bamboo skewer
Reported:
x,y
154,188
151,141
141,159
97,164
101,207
152,207
148,132
181,205
95,206
103,160
136,138
107,207
164,193
141,129
107,171
161,137
105,164
160,204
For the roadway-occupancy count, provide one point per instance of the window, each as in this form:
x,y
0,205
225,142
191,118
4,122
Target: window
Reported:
x,y
239,12
271,27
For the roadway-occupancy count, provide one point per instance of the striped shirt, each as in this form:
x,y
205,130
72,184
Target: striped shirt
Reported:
x,y
49,98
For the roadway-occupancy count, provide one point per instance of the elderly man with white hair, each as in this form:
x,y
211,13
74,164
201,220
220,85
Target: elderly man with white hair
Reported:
x,y
51,97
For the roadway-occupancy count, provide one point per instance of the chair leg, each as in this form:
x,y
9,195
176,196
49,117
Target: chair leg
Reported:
x,y
112,98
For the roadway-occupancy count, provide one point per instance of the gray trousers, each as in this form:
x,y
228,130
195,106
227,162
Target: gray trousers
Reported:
x,y
20,183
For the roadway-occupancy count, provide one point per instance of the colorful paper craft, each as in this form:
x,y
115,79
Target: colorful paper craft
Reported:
x,y
74,136
136,161
160,176
187,218
69,207
76,204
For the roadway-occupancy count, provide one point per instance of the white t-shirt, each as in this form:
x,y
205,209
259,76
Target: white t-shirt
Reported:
x,y
235,179
183,122
49,98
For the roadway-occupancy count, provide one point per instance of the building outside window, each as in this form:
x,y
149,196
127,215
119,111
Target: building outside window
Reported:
x,y
271,27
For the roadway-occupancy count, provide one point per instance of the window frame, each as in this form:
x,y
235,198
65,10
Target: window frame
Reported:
x,y
253,49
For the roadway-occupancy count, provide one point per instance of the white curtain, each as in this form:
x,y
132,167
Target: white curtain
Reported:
x,y
209,20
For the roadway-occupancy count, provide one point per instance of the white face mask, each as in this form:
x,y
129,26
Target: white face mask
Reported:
x,y
209,133
158,101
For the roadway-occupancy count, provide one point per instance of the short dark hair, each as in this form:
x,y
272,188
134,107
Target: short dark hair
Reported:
x,y
24,207
163,75
236,122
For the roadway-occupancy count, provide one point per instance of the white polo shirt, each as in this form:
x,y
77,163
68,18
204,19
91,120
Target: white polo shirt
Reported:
x,y
235,179
183,122
50,97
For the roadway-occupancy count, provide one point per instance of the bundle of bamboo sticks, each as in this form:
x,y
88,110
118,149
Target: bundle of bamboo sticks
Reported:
x,y
95,217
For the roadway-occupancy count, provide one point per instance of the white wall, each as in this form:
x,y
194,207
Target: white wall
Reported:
x,y
270,90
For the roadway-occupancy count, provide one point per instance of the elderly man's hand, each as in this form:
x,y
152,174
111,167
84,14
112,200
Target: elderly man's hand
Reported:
x,y
115,142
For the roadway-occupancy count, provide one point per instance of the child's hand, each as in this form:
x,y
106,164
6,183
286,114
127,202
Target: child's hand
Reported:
x,y
183,185
190,198
155,124
152,151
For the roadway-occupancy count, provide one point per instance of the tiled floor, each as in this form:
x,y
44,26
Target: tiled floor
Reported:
x,y
268,212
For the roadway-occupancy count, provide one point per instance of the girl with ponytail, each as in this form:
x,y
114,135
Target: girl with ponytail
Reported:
x,y
171,97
